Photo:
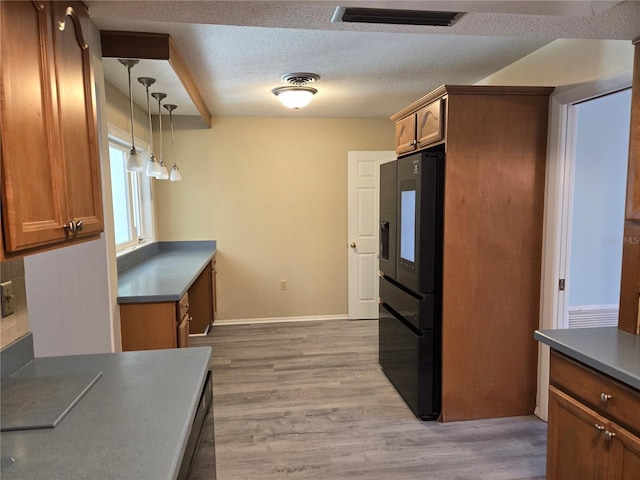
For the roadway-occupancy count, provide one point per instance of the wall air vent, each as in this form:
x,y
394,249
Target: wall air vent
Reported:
x,y
395,17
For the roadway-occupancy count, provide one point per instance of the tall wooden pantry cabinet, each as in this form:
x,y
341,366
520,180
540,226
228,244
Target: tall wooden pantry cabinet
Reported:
x,y
495,141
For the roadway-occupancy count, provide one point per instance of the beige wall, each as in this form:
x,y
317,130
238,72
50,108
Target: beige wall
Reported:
x,y
567,62
117,110
273,193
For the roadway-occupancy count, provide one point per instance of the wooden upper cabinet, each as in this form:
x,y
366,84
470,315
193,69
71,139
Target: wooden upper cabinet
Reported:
x,y
406,134
629,316
633,182
50,159
77,113
421,124
429,123
29,124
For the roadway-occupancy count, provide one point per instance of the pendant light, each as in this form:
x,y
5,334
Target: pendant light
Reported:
x,y
164,173
175,175
297,95
153,168
134,161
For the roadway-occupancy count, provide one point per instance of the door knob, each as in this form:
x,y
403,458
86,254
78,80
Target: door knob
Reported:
x,y
353,244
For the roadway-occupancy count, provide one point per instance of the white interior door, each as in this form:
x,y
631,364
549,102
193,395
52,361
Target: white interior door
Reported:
x,y
363,243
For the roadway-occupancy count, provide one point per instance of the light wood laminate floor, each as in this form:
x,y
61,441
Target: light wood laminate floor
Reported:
x,y
308,400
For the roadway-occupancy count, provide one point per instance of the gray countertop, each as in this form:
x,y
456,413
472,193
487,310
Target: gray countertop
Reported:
x,y
132,424
164,272
606,349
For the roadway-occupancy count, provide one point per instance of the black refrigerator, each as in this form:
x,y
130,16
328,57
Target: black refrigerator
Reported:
x,y
410,262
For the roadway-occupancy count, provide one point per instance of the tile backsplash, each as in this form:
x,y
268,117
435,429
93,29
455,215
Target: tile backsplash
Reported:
x,y
15,325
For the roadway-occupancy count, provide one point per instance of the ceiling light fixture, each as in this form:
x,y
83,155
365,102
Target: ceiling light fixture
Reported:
x,y
175,175
164,173
153,167
297,95
134,162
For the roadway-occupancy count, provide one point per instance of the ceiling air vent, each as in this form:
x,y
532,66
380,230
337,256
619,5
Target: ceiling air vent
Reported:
x,y
395,17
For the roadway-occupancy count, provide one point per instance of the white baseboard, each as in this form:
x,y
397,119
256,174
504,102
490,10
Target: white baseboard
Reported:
x,y
248,321
593,316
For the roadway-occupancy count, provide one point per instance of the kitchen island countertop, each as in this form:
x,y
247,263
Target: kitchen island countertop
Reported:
x,y
163,271
606,349
133,423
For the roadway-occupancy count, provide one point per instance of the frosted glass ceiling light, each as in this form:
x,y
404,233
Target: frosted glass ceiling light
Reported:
x,y
134,161
297,95
153,168
175,173
164,173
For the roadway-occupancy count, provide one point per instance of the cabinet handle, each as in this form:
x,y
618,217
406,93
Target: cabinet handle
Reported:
x,y
608,436
74,226
604,398
599,427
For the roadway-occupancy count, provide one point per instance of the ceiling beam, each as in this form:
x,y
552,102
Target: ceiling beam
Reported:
x,y
154,46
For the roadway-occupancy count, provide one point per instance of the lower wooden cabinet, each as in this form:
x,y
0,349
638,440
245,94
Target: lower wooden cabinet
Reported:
x,y
203,299
147,326
624,453
576,448
150,326
594,423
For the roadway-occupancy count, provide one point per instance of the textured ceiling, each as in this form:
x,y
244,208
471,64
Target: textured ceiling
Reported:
x,y
237,50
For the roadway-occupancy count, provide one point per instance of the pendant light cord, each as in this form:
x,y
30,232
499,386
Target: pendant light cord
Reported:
x,y
150,124
133,142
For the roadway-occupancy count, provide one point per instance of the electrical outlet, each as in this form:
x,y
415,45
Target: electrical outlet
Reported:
x,y
283,284
8,303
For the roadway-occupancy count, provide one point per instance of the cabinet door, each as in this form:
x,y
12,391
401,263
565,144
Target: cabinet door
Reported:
x,y
214,286
77,114
576,445
200,303
624,462
430,123
148,326
28,129
183,332
406,134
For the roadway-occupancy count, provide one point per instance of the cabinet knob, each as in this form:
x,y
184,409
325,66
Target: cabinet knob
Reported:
x,y
604,398
599,427
353,245
609,435
73,226
190,318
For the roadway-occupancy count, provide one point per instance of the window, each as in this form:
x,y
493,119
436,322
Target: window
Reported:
x,y
130,194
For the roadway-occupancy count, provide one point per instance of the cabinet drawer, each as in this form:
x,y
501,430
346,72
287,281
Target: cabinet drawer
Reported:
x,y
600,392
430,124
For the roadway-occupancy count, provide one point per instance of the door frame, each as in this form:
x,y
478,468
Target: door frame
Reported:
x,y
379,157
556,231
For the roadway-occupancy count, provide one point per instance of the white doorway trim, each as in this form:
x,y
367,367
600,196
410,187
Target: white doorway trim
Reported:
x,y
363,198
556,213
